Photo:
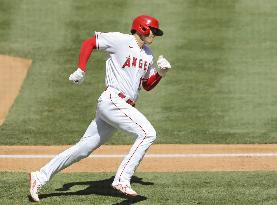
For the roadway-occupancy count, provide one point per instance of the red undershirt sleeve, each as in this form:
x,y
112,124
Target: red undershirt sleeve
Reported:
x,y
151,82
85,52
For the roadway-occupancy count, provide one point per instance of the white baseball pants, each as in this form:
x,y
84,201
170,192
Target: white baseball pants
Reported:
x,y
112,113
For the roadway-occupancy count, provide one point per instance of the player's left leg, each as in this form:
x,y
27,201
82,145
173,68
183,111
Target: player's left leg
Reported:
x,y
96,134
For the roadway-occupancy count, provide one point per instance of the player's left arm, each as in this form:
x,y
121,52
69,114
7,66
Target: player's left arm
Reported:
x,y
155,77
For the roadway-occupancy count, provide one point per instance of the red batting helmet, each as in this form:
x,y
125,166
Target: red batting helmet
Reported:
x,y
143,24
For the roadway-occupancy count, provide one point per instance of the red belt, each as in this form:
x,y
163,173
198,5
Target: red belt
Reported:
x,y
129,101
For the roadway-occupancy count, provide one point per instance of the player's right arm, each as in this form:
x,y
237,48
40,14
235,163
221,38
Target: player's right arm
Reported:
x,y
85,52
101,41
86,49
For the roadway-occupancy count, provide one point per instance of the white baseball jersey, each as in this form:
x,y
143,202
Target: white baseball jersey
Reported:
x,y
127,64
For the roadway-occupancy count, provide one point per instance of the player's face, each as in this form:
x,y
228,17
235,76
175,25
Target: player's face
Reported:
x,y
149,39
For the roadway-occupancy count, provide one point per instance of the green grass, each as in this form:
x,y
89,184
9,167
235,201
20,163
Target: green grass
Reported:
x,y
213,188
221,88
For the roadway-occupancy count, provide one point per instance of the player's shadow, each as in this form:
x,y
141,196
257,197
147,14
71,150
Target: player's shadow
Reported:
x,y
101,187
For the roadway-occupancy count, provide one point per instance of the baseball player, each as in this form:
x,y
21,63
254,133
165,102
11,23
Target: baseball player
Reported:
x,y
128,68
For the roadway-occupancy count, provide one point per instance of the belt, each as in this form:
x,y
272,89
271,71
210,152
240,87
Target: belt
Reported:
x,y
129,101
123,96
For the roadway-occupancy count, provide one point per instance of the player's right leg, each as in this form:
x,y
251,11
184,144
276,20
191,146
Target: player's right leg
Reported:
x,y
127,118
96,134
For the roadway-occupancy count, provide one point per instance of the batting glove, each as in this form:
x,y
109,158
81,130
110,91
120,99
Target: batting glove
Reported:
x,y
163,65
77,77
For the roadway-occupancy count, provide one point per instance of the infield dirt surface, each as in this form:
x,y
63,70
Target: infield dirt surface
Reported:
x,y
13,71
160,158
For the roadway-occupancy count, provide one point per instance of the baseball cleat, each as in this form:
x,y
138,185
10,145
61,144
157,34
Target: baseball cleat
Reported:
x,y
125,189
35,186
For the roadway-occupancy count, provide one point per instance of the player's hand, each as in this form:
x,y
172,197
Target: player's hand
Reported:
x,y
77,77
163,65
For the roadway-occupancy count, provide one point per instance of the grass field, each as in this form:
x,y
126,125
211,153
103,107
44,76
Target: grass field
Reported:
x,y
240,188
221,88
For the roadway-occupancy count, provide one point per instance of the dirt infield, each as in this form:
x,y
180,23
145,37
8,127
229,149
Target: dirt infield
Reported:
x,y
160,158
13,72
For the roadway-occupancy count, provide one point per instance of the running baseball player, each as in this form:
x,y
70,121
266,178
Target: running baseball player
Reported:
x,y
128,68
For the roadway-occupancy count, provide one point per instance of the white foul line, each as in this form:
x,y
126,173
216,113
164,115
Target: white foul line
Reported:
x,y
218,155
